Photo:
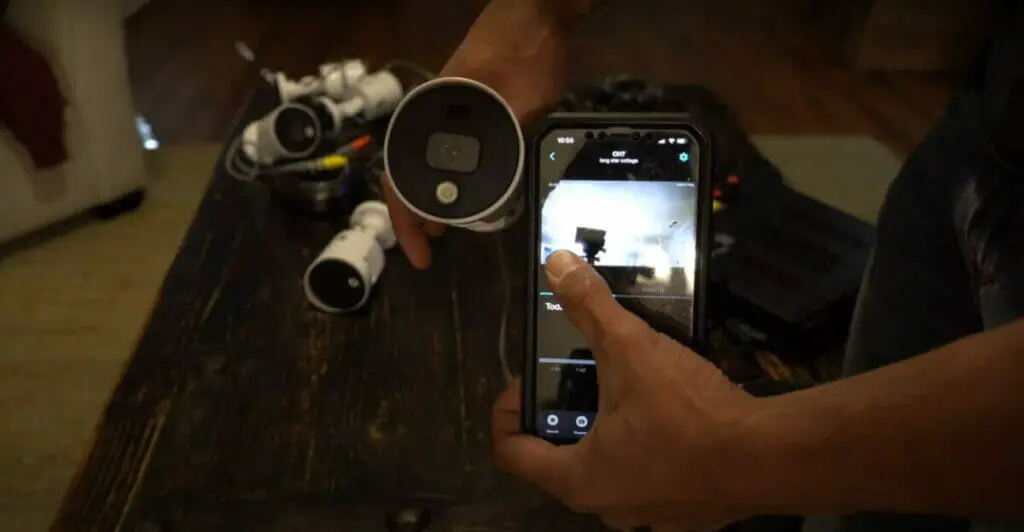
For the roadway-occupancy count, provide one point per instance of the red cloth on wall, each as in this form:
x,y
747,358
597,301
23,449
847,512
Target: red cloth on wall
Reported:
x,y
31,104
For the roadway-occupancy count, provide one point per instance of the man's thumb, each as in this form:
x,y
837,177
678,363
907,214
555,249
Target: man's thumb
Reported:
x,y
588,302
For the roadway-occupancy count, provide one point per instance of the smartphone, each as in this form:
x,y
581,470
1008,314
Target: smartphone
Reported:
x,y
631,194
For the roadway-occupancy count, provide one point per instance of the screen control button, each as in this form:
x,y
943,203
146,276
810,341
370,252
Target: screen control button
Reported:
x,y
582,421
552,420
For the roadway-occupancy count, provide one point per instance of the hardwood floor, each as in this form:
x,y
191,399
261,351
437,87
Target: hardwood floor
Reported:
x,y
769,60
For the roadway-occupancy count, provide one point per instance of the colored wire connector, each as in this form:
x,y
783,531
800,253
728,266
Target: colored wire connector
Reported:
x,y
337,160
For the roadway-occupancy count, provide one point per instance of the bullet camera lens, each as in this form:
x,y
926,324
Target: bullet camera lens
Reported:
x,y
337,284
296,129
451,152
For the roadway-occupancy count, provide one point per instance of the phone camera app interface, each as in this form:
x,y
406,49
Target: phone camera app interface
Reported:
x,y
629,208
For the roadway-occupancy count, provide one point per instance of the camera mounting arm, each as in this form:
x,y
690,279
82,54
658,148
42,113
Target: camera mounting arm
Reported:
x,y
592,241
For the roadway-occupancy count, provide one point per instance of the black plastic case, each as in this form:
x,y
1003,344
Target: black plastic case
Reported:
x,y
640,121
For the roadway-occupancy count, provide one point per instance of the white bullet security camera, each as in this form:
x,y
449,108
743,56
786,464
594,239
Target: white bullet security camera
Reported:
x,y
339,78
454,153
335,81
295,130
343,275
301,127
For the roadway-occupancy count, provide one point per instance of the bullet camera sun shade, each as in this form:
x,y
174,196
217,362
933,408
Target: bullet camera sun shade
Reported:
x,y
341,278
454,154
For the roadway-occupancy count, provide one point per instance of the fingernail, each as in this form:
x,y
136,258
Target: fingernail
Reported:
x,y
561,262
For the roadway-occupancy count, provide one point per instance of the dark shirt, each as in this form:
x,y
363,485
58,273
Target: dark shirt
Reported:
x,y
1001,79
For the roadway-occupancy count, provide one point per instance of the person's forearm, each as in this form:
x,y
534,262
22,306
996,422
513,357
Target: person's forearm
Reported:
x,y
939,434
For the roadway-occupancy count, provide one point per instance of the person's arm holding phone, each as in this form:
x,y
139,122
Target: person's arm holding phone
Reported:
x,y
675,444
939,434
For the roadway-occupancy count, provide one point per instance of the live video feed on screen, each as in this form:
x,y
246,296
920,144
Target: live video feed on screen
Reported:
x,y
639,234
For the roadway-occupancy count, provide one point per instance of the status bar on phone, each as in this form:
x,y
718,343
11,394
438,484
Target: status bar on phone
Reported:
x,y
630,296
576,361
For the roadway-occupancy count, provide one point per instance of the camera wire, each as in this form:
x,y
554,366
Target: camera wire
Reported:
x,y
506,370
411,66
374,169
234,165
506,312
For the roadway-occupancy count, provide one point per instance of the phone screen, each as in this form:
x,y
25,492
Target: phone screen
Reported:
x,y
627,203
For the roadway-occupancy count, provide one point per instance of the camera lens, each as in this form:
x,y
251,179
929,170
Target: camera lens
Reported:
x,y
452,152
601,136
295,129
636,136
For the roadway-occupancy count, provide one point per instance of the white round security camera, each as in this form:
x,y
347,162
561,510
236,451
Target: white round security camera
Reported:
x,y
454,153
339,78
293,130
342,276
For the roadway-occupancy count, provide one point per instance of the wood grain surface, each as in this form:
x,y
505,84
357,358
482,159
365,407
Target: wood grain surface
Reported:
x,y
243,405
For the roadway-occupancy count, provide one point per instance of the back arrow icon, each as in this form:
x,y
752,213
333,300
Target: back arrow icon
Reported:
x,y
552,156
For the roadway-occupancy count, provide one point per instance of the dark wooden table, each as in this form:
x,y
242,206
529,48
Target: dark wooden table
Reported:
x,y
245,409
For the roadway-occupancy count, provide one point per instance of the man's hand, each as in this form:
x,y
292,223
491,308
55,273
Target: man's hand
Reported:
x,y
652,455
518,48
